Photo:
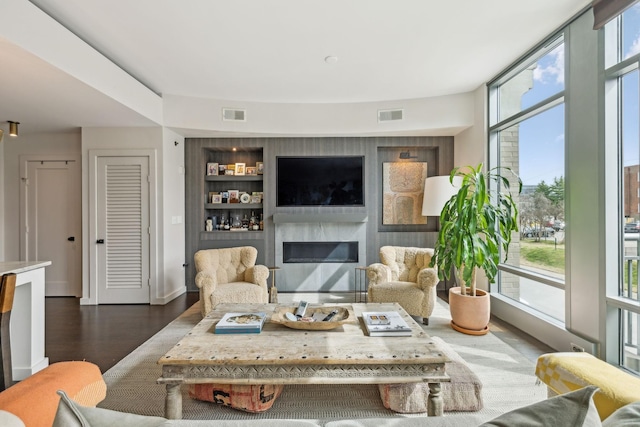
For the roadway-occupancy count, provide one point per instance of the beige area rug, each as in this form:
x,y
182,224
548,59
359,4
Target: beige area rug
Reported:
x,y
507,376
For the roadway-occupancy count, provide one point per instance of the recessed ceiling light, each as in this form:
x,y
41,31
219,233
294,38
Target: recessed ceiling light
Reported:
x,y
331,59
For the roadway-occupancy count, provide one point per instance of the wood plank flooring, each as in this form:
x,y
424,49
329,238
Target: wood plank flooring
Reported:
x,y
104,334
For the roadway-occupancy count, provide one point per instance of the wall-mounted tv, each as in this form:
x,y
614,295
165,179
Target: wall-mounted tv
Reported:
x,y
320,181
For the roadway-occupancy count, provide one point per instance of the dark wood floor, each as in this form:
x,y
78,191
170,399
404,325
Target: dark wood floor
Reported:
x,y
104,334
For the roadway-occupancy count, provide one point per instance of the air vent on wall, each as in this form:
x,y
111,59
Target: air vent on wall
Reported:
x,y
390,115
233,115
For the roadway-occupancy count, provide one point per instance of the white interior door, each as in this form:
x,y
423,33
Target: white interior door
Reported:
x,y
51,222
122,229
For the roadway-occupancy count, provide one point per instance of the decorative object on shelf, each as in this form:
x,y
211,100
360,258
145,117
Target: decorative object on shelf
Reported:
x,y
256,198
402,191
493,217
240,169
251,170
229,171
261,222
222,169
234,196
259,168
245,198
212,168
208,224
216,198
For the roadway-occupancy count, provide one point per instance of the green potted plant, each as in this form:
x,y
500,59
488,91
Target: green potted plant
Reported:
x,y
475,225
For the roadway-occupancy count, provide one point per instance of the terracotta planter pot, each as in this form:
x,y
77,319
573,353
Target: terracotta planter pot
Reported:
x,y
470,315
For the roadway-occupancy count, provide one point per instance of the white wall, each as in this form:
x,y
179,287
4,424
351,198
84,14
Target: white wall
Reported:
x,y
470,145
152,138
173,198
437,116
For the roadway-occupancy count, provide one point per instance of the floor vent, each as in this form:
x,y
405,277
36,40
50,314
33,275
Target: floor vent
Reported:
x,y
390,115
232,115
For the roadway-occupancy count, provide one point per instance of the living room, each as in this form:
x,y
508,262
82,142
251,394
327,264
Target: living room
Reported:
x,y
444,127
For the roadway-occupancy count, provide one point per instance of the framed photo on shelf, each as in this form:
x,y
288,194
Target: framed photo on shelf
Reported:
x,y
256,198
240,168
259,168
212,168
234,196
251,170
216,198
222,169
211,194
225,196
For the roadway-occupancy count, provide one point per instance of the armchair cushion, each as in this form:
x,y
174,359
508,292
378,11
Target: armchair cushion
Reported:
x,y
230,275
404,276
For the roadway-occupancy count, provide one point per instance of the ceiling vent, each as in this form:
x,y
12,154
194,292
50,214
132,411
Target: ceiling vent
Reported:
x,y
232,115
390,115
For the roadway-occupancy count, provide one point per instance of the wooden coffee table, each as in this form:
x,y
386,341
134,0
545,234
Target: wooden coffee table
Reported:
x,y
280,355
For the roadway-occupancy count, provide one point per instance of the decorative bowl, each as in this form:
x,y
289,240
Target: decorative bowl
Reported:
x,y
344,315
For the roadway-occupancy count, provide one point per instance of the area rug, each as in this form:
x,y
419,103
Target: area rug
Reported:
x,y
507,376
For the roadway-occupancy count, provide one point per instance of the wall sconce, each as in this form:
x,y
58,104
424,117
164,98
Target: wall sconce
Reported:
x,y
407,155
13,128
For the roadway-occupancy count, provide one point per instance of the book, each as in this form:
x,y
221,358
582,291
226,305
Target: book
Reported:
x,y
385,324
241,323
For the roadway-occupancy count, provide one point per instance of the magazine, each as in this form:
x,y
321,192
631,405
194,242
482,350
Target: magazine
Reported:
x,y
385,324
241,323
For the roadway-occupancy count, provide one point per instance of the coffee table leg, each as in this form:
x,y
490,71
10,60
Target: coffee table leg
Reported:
x,y
173,402
434,402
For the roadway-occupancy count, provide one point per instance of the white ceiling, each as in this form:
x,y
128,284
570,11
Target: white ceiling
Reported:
x,y
273,52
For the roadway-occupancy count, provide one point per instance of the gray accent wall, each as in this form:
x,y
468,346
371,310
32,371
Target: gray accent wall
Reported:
x,y
436,151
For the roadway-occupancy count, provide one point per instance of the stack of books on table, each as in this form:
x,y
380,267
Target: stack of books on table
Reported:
x,y
385,324
241,323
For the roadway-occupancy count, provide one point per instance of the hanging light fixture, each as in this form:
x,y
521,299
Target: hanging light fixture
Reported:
x,y
13,128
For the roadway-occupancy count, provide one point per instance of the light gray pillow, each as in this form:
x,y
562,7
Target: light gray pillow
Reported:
x,y
70,414
574,409
628,415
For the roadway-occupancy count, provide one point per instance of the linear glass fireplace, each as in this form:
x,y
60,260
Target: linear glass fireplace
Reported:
x,y
320,252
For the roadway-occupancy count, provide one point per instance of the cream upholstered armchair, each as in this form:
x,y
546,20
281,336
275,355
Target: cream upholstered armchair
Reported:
x,y
230,275
404,276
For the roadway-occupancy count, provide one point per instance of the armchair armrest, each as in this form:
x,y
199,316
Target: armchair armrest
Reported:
x,y
207,283
427,278
258,275
378,273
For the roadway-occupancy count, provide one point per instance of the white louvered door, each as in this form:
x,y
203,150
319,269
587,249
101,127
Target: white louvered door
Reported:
x,y
122,230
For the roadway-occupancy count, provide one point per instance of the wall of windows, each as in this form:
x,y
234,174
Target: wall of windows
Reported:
x,y
545,123
527,131
622,57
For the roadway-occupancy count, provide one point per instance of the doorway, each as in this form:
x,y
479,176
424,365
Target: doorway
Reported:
x,y
121,227
50,212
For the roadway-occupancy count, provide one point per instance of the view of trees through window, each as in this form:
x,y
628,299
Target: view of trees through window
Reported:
x,y
533,147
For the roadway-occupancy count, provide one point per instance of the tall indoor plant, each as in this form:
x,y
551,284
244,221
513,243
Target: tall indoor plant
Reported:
x,y
475,225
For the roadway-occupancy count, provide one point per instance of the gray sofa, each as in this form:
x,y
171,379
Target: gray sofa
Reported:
x,y
571,409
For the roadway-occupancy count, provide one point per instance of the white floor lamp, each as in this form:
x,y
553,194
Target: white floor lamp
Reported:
x,y
437,191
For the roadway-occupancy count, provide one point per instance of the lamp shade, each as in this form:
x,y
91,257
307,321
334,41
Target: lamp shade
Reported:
x,y
437,191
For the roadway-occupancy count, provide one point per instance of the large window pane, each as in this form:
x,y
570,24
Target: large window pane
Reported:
x,y
629,335
631,32
542,79
544,298
534,149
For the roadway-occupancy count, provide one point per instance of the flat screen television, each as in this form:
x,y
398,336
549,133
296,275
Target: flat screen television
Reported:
x,y
320,181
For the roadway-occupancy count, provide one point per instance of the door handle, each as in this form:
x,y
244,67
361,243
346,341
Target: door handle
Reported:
x,y
100,241
71,239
